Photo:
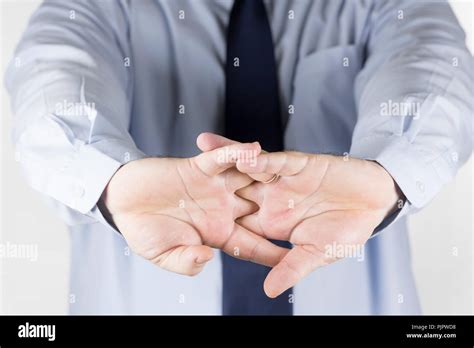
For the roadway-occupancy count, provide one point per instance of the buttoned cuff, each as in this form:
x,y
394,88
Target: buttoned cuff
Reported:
x,y
419,176
81,181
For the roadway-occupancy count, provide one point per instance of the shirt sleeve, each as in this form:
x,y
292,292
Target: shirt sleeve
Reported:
x,y
70,83
415,98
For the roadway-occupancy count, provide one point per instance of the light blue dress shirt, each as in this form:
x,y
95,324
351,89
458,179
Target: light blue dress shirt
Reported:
x,y
95,84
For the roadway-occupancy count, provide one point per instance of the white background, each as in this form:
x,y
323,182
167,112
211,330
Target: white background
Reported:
x,y
441,234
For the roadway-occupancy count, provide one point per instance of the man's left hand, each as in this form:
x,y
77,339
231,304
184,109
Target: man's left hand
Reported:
x,y
316,203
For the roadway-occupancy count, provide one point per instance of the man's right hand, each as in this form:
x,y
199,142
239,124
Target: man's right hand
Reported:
x,y
172,211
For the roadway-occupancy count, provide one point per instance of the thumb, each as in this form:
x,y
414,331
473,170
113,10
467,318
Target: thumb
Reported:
x,y
211,141
217,161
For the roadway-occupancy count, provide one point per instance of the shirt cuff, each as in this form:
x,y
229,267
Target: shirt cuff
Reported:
x,y
85,177
419,178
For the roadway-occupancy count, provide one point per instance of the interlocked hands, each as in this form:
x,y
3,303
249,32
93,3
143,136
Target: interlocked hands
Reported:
x,y
235,197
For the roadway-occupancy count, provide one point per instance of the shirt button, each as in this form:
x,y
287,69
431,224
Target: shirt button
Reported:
x,y
420,186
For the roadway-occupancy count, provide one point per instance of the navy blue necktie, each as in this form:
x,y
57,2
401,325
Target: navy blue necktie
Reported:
x,y
252,113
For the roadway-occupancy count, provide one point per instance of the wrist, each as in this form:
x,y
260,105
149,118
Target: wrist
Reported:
x,y
396,198
109,195
102,204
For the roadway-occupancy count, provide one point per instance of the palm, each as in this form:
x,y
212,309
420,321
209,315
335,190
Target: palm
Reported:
x,y
322,198
319,201
180,201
